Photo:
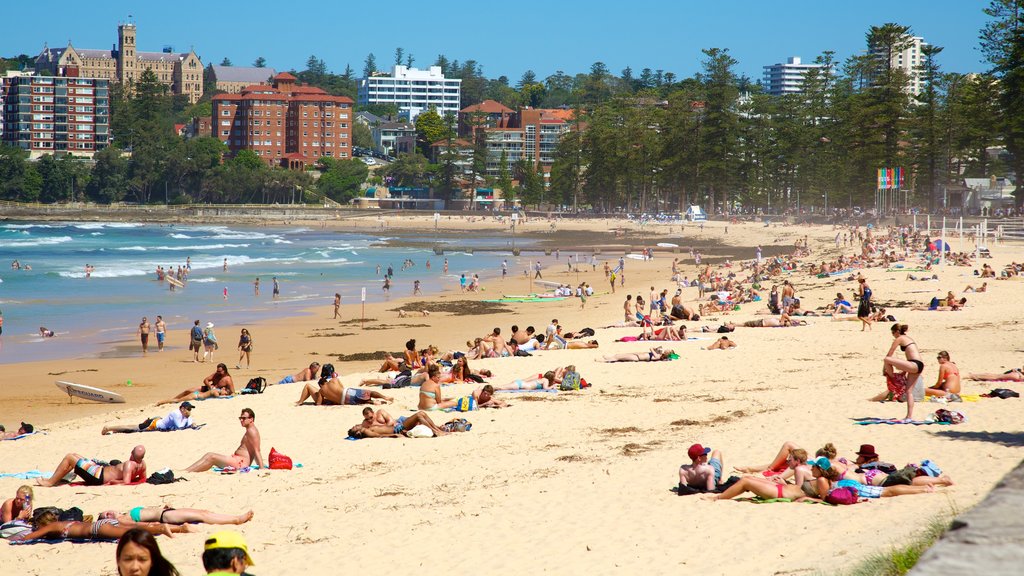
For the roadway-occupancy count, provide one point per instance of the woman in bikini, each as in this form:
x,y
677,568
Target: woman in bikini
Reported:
x,y
430,390
168,515
48,528
244,348
545,381
773,488
910,368
864,308
656,354
948,383
1012,375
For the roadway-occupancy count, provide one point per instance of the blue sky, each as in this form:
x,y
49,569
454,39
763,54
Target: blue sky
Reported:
x,y
511,37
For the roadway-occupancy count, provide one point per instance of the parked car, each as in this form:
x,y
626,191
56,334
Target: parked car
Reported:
x,y
367,160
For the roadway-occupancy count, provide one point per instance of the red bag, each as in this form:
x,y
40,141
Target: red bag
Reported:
x,y
279,461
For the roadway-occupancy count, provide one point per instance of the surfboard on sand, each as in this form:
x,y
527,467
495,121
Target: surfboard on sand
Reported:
x,y
89,393
175,281
667,245
635,256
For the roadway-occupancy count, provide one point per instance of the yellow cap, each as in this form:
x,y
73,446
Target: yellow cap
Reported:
x,y
229,539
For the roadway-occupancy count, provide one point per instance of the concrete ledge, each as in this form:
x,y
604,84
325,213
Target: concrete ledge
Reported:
x,y
989,539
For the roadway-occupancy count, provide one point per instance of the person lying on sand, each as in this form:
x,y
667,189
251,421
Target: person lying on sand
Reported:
x,y
722,343
379,417
248,450
399,428
304,375
667,333
1013,375
48,528
330,392
936,305
25,428
217,384
179,419
166,515
770,488
656,354
868,469
574,345
979,289
482,397
95,473
821,471
783,321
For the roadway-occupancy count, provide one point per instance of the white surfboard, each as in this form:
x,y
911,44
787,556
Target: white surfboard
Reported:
x,y
175,281
89,393
668,245
635,256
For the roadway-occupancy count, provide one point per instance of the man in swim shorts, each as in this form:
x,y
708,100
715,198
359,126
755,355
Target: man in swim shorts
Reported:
x,y
400,427
176,420
97,473
217,384
303,375
248,450
702,472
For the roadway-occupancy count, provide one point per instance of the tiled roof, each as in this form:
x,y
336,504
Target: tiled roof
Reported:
x,y
285,76
247,74
488,107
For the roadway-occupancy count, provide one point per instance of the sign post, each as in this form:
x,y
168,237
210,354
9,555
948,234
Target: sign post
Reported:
x,y
362,314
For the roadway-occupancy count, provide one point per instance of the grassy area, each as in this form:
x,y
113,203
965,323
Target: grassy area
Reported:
x,y
899,560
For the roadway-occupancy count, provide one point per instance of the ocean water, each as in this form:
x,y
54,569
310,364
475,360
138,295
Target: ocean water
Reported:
x,y
87,314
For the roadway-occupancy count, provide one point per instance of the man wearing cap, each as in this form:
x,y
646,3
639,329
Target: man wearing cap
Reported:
x,y
219,383
25,429
226,553
703,472
176,420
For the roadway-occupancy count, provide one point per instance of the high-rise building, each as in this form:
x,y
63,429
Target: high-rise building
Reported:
x,y
910,60
48,114
286,123
786,78
414,91
530,134
181,72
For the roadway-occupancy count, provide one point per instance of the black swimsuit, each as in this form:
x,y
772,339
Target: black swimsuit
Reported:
x,y
918,363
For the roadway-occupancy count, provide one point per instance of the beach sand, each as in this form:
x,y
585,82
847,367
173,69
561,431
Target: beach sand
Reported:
x,y
557,483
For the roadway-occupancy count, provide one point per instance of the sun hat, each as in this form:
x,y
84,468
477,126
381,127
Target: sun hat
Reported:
x,y
867,450
209,324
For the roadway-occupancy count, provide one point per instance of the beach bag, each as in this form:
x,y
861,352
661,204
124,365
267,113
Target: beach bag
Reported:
x,y
928,467
949,416
420,431
255,386
842,496
465,404
571,381
165,476
457,425
278,461
1003,393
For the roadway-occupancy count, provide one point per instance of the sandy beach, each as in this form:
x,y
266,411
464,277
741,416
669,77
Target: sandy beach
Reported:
x,y
560,483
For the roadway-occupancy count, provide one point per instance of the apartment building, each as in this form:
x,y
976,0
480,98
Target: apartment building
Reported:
x,y
910,60
232,79
787,77
286,123
414,91
49,114
181,72
530,134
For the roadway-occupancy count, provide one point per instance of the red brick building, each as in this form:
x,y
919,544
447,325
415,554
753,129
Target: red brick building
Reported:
x,y
285,124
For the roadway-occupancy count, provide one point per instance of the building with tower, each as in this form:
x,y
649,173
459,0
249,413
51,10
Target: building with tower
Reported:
x,y
181,72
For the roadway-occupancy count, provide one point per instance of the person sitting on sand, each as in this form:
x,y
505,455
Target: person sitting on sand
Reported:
x,y
431,396
215,385
702,472
166,515
841,305
179,419
48,528
656,354
330,392
399,428
979,289
948,384
723,343
25,428
499,348
96,473
248,450
770,488
18,508
1012,375
304,375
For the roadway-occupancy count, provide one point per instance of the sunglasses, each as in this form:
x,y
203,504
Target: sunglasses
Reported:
x,y
243,417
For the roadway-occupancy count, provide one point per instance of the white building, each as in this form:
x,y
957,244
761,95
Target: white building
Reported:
x,y
910,60
413,90
786,78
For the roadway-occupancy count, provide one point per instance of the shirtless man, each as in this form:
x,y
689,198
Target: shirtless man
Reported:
x,y
722,343
498,344
380,417
217,384
304,375
399,428
482,397
144,334
96,474
948,384
161,332
702,472
248,450
770,322
521,336
788,294
24,429
330,392
627,309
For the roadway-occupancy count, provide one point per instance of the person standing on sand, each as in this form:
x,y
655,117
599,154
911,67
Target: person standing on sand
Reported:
x,y
196,340
612,278
248,450
144,334
536,268
911,368
209,342
244,348
337,305
161,332
864,308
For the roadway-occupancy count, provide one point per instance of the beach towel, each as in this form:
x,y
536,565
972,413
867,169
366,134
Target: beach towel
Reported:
x,y
548,391
59,540
26,435
867,421
30,475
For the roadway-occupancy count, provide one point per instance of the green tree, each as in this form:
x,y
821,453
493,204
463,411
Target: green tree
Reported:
x,y
109,180
18,179
342,179
226,62
260,62
369,65
399,53
408,170
430,128
504,182
1002,43
718,132
361,135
